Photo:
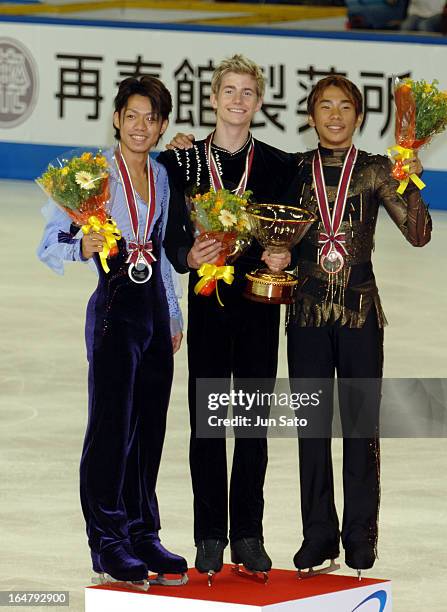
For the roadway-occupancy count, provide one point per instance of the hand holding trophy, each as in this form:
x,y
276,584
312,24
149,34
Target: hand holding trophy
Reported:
x,y
277,228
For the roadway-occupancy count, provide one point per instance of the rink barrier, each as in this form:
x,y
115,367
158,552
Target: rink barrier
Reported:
x,y
24,161
57,119
222,29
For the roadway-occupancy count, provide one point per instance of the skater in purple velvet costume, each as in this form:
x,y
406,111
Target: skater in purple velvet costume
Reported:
x,y
133,328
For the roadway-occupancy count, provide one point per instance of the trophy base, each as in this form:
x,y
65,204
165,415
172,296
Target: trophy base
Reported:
x,y
270,288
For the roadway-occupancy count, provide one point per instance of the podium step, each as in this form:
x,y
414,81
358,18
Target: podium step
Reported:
x,y
283,592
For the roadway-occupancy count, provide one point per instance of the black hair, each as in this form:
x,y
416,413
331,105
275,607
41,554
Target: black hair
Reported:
x,y
337,80
149,87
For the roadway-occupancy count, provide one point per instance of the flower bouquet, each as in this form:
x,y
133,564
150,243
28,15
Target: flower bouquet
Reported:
x,y
79,184
221,215
421,112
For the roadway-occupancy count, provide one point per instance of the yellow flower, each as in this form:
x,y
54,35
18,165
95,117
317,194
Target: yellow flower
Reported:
x,y
47,182
227,218
101,161
427,88
244,222
85,180
64,171
218,205
86,156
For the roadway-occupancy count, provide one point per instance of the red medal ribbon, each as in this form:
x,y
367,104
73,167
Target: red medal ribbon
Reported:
x,y
336,240
331,238
216,179
137,248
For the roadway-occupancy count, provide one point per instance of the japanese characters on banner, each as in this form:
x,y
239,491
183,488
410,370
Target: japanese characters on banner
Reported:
x,y
57,82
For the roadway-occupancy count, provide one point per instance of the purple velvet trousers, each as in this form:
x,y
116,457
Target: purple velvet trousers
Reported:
x,y
129,351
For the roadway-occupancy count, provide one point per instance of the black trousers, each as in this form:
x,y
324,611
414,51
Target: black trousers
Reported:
x,y
239,340
319,352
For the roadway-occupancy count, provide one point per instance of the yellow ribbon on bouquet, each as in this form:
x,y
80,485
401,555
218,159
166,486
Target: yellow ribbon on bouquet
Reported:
x,y
209,272
110,232
399,154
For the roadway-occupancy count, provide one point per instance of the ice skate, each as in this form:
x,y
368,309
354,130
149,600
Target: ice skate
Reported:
x,y
118,565
209,557
360,556
313,554
250,552
161,562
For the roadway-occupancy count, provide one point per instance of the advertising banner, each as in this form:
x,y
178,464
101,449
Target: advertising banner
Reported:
x,y
58,81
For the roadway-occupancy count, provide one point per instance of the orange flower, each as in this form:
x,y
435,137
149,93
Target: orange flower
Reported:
x,y
218,205
101,161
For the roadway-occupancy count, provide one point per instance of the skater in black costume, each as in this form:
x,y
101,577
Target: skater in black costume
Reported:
x,y
336,324
241,338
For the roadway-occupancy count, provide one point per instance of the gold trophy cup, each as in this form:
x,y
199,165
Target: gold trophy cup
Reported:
x,y
277,228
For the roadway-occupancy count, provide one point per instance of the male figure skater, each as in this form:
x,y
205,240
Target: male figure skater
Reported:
x,y
133,327
336,323
240,339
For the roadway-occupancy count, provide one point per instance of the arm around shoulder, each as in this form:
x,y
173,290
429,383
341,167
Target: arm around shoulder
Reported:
x,y
178,237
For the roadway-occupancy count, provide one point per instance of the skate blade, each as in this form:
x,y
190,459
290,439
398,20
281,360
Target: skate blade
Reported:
x,y
211,575
333,567
106,579
242,572
162,581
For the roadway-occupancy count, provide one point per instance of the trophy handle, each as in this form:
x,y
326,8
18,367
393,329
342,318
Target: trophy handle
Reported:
x,y
239,247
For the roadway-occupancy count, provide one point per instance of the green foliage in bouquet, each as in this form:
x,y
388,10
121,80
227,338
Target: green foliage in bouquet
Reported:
x,y
431,108
77,180
221,210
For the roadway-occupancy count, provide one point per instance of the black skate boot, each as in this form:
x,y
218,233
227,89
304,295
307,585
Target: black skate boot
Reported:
x,y
314,553
360,555
118,564
161,562
209,557
250,552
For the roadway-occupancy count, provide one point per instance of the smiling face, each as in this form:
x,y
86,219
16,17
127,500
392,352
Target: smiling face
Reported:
x,y
237,100
140,128
335,119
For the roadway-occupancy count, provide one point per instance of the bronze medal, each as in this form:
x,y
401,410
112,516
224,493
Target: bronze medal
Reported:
x,y
333,262
333,250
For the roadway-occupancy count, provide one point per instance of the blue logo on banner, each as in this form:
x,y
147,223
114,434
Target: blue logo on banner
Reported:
x,y
381,597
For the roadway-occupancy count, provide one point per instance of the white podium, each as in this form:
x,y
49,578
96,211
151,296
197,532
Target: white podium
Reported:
x,y
233,593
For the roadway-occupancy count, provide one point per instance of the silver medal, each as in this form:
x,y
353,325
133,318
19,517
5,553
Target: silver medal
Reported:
x,y
140,272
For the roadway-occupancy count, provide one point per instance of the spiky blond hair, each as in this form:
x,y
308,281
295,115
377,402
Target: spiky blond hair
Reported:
x,y
240,65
